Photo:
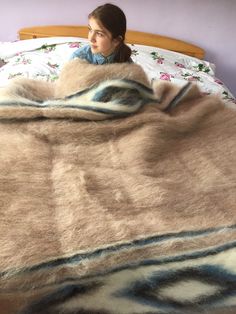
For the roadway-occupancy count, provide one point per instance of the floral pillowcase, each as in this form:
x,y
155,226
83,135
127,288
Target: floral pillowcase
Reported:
x,y
179,68
43,58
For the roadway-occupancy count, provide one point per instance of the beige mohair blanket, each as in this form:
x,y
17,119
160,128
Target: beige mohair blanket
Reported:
x,y
110,213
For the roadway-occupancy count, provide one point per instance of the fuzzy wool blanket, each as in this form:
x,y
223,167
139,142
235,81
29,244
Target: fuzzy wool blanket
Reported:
x,y
117,199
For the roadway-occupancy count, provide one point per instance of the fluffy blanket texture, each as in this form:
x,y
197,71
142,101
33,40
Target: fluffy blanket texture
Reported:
x,y
117,198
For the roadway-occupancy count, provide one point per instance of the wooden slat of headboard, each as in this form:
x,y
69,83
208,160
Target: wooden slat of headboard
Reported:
x,y
132,37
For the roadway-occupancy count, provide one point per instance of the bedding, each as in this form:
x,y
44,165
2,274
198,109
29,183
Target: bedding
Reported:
x,y
126,210
117,188
117,199
43,58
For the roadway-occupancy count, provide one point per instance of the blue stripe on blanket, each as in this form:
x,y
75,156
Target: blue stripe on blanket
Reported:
x,y
128,83
150,262
192,258
77,258
111,98
183,91
75,106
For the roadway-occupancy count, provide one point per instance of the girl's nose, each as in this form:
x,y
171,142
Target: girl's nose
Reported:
x,y
92,36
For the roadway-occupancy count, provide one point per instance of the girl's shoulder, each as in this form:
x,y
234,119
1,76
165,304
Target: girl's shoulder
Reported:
x,y
83,52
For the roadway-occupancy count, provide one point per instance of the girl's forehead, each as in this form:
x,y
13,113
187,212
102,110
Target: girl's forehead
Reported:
x,y
97,25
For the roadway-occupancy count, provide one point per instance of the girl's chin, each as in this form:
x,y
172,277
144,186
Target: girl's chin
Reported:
x,y
94,50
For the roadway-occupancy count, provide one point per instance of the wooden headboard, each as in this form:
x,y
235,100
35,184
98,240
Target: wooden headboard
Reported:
x,y
132,37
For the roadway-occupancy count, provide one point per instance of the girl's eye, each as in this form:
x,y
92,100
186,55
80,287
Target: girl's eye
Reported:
x,y
99,34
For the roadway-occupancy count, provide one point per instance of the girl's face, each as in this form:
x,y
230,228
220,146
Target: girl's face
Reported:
x,y
100,38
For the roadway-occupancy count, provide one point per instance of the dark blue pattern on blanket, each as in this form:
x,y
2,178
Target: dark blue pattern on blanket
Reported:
x,y
151,291
191,282
216,285
115,94
124,96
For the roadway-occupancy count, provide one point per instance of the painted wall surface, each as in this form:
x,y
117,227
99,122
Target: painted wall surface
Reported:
x,y
210,24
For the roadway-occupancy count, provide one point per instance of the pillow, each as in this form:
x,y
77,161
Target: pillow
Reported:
x,y
11,49
176,67
40,58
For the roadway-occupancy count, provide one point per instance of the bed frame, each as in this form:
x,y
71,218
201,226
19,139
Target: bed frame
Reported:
x,y
132,37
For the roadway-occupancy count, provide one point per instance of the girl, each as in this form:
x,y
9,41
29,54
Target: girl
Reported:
x,y
107,28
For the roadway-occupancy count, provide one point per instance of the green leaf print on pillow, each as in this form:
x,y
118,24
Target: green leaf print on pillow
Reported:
x,y
156,56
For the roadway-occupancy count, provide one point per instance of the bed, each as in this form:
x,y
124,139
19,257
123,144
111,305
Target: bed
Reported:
x,y
162,57
117,194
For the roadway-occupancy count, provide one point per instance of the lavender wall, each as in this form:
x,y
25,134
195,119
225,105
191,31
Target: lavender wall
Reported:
x,y
210,24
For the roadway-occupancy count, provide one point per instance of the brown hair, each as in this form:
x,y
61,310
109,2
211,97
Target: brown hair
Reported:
x,y
114,20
